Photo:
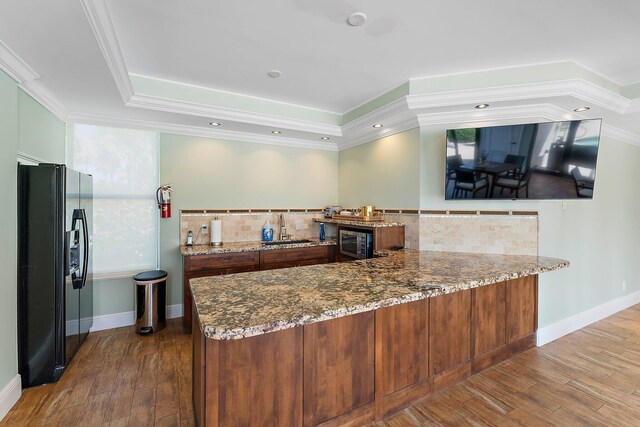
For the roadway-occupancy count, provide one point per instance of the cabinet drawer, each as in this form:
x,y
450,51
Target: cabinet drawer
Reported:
x,y
218,261
295,254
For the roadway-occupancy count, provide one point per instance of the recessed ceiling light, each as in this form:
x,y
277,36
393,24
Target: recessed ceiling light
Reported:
x,y
276,132
357,19
482,106
214,123
274,74
324,138
378,125
581,109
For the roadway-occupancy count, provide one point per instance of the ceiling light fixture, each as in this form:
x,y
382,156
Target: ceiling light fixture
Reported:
x,y
324,138
481,106
276,132
581,109
214,123
274,74
357,19
378,125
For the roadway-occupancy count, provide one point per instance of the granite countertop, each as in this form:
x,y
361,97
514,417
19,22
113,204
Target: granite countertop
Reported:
x,y
247,304
357,223
230,247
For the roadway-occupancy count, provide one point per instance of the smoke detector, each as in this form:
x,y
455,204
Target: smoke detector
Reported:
x,y
274,74
357,19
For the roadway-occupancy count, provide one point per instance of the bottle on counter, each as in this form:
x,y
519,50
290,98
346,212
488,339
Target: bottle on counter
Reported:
x,y
189,238
322,231
267,232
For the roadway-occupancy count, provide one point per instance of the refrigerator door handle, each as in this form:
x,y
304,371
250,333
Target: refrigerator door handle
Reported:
x,y
80,215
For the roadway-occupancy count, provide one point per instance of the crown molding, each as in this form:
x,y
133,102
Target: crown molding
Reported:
x,y
532,112
44,97
99,18
634,106
14,66
392,129
28,80
620,135
578,88
198,131
525,112
378,115
193,109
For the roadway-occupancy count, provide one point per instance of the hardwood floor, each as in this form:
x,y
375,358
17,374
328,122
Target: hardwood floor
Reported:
x,y
118,378
590,377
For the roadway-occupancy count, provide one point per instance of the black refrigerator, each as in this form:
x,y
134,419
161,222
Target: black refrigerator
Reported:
x,y
55,282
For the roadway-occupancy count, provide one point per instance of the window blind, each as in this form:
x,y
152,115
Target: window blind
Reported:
x,y
124,164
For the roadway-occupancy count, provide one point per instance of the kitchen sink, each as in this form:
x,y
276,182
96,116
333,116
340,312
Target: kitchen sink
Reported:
x,y
285,242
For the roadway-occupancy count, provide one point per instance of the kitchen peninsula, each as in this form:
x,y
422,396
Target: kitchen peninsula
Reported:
x,y
345,343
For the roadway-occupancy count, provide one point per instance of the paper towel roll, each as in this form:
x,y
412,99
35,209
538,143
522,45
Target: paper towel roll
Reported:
x,y
216,232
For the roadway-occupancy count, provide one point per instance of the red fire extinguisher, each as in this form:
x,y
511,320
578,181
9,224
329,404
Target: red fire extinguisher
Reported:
x,y
163,196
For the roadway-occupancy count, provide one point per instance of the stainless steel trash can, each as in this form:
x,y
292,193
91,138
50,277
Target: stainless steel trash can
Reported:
x,y
151,301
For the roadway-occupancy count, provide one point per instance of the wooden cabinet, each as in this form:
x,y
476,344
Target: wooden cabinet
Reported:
x,y
296,257
354,369
522,307
255,381
241,262
449,338
504,320
402,350
339,370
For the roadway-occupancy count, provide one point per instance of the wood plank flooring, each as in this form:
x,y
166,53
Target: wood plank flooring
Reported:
x,y
590,377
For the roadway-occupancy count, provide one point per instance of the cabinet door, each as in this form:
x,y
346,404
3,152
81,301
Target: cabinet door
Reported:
x,y
402,358
260,380
488,311
521,307
450,337
218,261
339,370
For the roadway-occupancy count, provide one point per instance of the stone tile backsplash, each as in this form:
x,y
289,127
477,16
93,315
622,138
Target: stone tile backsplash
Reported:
x,y
247,227
497,234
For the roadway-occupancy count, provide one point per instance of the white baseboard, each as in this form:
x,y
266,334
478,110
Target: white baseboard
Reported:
x,y
128,318
10,395
580,320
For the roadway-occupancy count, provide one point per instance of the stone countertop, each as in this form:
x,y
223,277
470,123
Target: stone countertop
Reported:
x,y
248,304
375,224
231,247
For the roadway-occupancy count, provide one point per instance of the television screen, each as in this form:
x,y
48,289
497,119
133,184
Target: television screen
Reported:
x,y
539,161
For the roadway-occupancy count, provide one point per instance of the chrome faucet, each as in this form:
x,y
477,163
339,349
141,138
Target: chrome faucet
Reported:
x,y
283,229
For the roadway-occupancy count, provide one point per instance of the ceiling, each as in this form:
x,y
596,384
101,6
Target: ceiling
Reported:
x,y
84,54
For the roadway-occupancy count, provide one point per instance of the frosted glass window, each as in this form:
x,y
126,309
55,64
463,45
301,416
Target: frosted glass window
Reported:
x,y
124,165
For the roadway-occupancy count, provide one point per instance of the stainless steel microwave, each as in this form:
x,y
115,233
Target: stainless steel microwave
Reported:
x,y
356,244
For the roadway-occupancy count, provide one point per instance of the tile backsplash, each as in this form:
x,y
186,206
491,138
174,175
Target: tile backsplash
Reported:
x,y
498,234
247,227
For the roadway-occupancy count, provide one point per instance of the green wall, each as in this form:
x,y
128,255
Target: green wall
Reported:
x,y
28,128
598,236
8,172
210,173
383,173
40,132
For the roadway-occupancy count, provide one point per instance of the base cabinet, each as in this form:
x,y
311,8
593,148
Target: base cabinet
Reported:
x,y
355,369
339,371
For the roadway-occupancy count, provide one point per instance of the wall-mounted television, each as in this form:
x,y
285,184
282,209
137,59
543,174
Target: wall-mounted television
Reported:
x,y
537,161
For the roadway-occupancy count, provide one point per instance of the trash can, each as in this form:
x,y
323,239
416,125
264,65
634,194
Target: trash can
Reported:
x,y
151,301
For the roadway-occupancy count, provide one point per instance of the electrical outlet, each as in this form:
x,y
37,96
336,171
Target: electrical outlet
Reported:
x,y
624,286
204,229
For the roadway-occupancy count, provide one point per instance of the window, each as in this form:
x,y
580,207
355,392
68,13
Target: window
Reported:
x,y
124,165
